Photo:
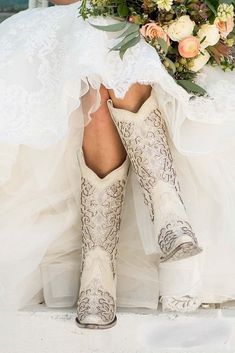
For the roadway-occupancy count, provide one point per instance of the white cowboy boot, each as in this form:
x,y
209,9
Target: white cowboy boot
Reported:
x,y
144,137
101,206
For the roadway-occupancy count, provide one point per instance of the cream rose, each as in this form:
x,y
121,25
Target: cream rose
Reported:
x,y
152,30
200,61
210,33
181,28
224,27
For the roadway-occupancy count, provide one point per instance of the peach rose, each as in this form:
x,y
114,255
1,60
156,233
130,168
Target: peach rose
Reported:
x,y
224,27
152,30
189,47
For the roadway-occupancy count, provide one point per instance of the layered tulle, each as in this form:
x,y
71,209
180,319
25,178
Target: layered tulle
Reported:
x,y
52,64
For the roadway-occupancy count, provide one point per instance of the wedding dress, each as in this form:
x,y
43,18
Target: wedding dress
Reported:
x,y
52,64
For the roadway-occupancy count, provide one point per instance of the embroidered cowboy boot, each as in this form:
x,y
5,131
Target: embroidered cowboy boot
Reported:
x,y
145,139
101,206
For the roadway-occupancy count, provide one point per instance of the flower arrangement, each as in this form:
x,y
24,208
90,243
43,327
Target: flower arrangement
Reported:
x,y
187,34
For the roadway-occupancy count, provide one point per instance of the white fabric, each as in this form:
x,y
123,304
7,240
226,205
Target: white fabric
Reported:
x,y
37,3
49,59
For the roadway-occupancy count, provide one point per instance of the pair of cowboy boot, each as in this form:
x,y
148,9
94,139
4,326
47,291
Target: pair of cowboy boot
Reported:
x,y
144,137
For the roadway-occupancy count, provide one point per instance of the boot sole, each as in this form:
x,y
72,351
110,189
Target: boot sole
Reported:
x,y
96,326
181,252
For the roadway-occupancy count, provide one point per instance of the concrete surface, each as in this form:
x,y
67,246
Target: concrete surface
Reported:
x,y
43,330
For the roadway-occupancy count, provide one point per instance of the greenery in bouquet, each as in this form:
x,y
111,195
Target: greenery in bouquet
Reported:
x,y
187,34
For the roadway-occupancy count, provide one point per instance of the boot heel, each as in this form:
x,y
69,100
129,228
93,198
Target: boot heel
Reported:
x,y
96,326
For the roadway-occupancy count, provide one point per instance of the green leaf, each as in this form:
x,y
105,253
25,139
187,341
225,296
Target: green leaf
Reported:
x,y
191,87
211,6
123,10
111,28
163,45
172,50
131,29
128,45
229,2
203,39
125,40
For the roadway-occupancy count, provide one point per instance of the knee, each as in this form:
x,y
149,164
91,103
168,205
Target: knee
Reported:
x,y
101,117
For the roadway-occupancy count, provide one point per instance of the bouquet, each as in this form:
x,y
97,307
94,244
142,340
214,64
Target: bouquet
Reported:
x,y
187,34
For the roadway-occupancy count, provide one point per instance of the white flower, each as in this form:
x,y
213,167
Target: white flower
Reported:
x,y
208,35
197,63
225,11
164,4
181,28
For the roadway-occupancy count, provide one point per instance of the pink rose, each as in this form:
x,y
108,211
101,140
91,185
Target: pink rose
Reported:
x,y
152,30
224,27
189,47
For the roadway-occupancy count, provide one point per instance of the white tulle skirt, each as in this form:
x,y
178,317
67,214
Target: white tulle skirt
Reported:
x,y
52,64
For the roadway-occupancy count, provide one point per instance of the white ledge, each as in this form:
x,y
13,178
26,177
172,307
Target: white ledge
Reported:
x,y
45,330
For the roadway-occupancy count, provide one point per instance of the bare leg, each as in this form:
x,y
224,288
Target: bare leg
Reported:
x,y
102,146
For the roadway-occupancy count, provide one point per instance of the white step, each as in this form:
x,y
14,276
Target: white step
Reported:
x,y
44,330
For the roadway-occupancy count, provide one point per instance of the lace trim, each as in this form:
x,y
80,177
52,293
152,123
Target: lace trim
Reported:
x,y
220,87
